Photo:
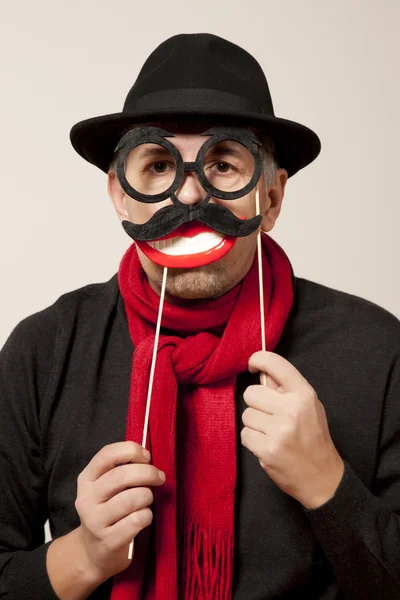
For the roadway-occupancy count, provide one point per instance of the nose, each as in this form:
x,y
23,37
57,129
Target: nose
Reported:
x,y
191,190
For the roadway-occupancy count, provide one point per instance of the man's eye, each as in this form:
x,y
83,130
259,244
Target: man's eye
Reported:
x,y
160,167
222,167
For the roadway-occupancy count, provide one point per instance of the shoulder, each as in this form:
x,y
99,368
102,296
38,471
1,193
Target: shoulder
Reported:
x,y
345,315
39,348
83,305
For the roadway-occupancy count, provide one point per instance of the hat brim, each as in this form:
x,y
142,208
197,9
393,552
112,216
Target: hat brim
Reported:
x,y
95,139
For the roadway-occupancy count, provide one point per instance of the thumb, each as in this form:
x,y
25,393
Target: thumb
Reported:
x,y
271,383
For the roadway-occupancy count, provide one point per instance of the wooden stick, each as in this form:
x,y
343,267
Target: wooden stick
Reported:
x,y
152,369
153,360
263,376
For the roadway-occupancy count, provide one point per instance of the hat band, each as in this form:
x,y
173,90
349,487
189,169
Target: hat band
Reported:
x,y
193,98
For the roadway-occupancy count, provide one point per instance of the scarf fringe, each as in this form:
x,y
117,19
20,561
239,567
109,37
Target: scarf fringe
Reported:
x,y
206,562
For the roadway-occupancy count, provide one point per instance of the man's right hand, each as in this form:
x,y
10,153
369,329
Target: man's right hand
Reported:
x,y
113,505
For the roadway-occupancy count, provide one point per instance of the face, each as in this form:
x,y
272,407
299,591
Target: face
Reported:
x,y
218,277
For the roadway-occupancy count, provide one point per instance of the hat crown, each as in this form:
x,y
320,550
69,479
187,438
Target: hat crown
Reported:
x,y
201,61
198,77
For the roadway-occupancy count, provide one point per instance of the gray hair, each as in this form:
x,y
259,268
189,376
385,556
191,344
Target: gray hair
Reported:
x,y
268,155
269,160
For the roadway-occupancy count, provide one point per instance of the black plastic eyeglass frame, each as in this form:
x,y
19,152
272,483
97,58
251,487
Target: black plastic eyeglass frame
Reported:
x,y
156,135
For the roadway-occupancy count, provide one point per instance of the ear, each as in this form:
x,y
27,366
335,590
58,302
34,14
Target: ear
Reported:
x,y
117,196
271,199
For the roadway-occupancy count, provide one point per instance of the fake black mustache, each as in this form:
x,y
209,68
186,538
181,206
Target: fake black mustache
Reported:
x,y
169,218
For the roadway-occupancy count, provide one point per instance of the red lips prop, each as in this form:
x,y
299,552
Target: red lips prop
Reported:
x,y
179,253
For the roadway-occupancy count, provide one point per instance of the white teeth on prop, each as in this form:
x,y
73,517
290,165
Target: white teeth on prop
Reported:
x,y
177,246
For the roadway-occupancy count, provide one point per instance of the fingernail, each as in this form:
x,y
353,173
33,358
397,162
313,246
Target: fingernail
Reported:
x,y
161,475
146,454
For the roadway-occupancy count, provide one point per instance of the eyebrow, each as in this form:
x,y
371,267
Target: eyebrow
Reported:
x,y
225,151
148,152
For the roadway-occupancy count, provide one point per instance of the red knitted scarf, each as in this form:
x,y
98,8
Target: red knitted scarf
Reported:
x,y
192,426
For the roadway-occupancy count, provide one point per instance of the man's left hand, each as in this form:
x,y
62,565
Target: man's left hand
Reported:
x,y
287,430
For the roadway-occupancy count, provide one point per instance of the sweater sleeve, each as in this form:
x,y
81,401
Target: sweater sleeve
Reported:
x,y
25,367
359,529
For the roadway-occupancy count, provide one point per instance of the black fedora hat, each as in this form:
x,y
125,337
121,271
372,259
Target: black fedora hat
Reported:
x,y
198,77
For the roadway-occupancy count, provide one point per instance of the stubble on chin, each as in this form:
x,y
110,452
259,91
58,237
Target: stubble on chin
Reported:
x,y
200,283
209,282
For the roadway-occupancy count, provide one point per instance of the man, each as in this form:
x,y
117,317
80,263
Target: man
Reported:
x,y
288,490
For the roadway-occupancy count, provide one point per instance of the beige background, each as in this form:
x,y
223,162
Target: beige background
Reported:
x,y
332,65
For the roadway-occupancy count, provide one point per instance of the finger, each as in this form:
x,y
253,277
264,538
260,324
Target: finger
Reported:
x,y
267,381
253,441
125,503
265,399
256,420
110,456
280,369
271,383
125,530
126,476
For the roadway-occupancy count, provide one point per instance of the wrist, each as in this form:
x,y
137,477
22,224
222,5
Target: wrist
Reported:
x,y
91,572
324,490
70,571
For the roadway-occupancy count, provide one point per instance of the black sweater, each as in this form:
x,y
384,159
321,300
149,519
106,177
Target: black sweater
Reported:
x,y
64,387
